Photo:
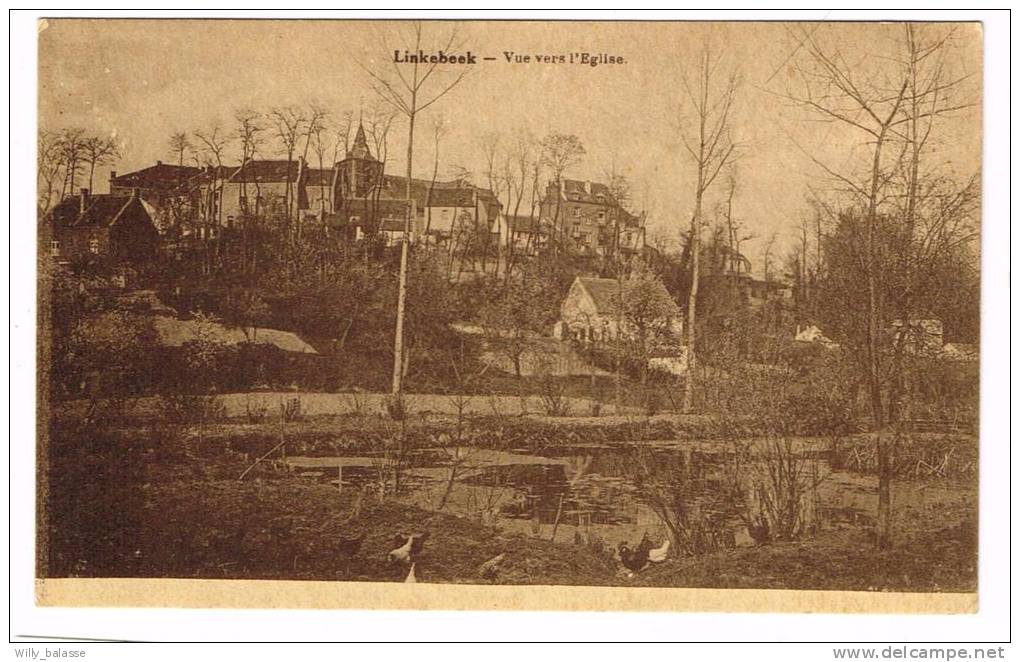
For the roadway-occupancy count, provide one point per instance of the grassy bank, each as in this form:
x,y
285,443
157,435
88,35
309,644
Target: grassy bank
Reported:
x,y
292,529
168,502
845,560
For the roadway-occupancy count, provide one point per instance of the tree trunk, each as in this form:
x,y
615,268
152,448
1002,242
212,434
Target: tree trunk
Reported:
x,y
398,341
692,301
874,384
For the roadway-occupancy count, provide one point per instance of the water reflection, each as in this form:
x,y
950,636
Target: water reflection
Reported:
x,y
699,498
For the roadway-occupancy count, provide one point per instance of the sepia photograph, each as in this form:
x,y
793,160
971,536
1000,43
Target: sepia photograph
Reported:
x,y
609,305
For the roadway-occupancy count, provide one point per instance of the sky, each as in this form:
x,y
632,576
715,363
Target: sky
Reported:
x,y
139,81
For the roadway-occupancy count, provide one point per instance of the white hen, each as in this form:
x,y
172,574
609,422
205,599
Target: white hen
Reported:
x,y
658,555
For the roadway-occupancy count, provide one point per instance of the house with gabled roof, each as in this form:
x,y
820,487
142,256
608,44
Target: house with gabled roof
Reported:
x,y
156,185
101,225
590,311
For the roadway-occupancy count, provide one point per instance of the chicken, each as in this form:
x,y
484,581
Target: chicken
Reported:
x,y
658,555
634,560
638,559
490,569
408,548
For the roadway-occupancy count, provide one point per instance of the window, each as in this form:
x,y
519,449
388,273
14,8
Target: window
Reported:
x,y
93,246
577,212
602,214
54,248
355,220
577,230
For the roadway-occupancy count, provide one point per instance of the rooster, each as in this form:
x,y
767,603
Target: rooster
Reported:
x,y
636,560
408,548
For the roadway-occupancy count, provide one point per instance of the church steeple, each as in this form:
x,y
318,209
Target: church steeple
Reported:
x,y
360,148
360,171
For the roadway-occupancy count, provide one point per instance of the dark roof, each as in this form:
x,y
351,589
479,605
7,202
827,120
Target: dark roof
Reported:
x,y
603,292
444,194
161,176
383,208
523,224
102,210
267,171
574,191
451,197
319,177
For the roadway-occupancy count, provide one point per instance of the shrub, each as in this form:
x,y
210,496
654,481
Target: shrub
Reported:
x,y
291,410
777,487
256,413
553,394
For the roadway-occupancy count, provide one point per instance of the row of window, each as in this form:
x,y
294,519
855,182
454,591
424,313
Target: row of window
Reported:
x,y
55,247
601,213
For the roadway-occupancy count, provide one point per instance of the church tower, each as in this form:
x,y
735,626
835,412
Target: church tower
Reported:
x,y
359,171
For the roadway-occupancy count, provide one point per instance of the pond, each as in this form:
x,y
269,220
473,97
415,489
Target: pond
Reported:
x,y
711,497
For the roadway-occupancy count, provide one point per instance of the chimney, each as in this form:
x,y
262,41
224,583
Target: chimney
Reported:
x,y
159,163
113,174
84,200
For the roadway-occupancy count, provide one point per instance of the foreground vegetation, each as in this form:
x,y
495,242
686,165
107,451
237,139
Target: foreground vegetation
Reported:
x,y
193,502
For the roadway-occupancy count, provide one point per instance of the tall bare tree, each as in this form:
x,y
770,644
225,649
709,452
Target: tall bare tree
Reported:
x,y
440,127
71,148
179,145
560,152
288,124
49,163
520,159
707,138
98,151
344,123
411,93
894,105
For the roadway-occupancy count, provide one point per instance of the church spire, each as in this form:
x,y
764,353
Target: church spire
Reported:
x,y
360,148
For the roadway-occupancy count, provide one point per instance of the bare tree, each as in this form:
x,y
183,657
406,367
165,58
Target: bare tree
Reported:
x,y
519,162
98,151
494,175
439,129
320,147
411,95
213,143
289,124
560,152
619,191
49,163
71,147
342,135
250,136
895,107
770,244
179,145
706,137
